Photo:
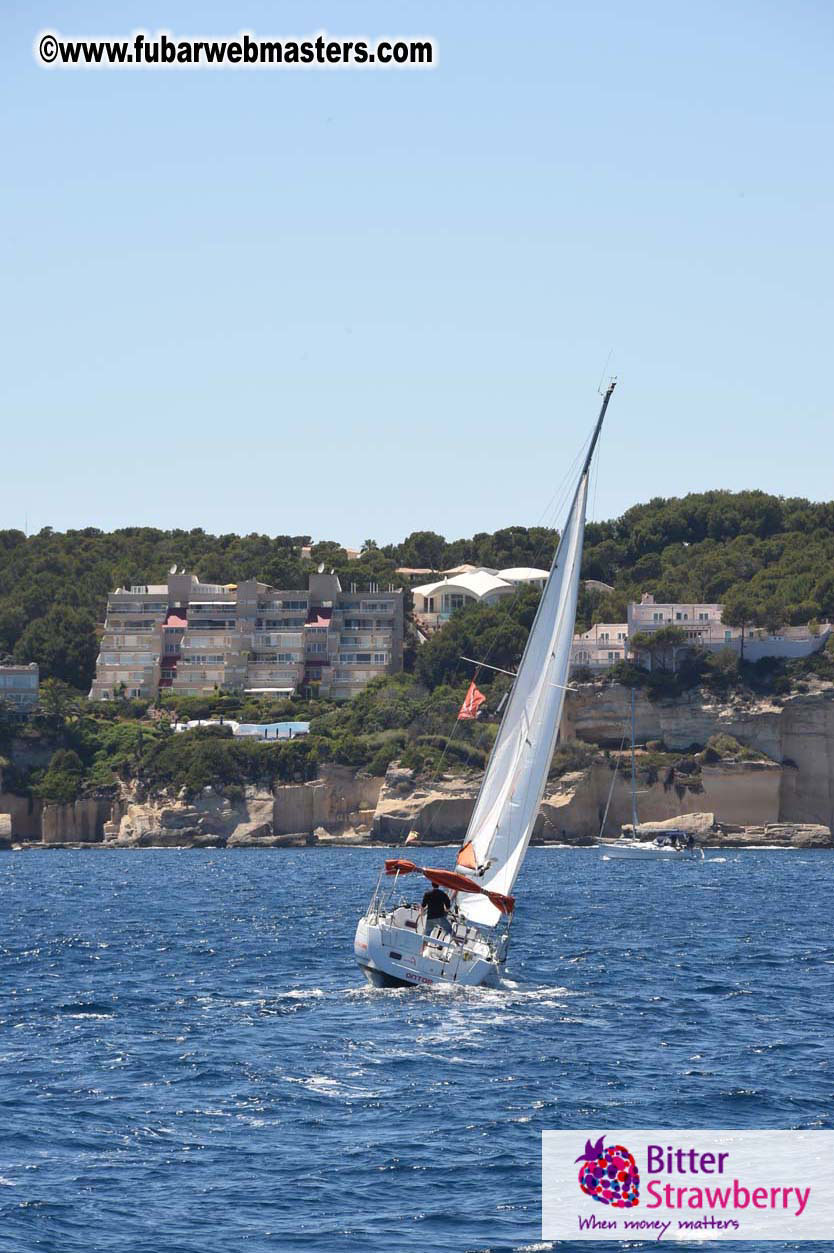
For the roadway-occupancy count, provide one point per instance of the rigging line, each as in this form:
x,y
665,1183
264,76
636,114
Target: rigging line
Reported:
x,y
557,500
611,789
596,469
507,603
563,492
510,603
486,666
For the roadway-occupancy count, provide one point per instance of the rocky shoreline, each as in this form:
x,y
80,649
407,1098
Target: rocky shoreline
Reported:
x,y
343,810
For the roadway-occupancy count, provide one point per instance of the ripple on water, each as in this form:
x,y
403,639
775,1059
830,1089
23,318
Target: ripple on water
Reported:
x,y
195,1065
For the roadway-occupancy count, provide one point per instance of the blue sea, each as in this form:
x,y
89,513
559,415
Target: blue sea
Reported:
x,y
190,1061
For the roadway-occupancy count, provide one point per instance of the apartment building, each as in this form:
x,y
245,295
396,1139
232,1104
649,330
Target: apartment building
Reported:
x,y
19,685
192,637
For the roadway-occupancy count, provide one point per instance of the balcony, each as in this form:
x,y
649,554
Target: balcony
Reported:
x,y
282,640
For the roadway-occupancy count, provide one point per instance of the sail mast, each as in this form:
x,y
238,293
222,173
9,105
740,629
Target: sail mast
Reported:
x,y
633,772
609,391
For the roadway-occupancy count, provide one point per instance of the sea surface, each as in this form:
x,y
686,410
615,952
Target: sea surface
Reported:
x,y
190,1061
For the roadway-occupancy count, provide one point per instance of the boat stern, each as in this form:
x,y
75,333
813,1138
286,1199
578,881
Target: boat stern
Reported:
x,y
393,952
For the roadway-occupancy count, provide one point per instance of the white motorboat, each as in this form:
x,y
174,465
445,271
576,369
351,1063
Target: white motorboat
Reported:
x,y
396,943
664,843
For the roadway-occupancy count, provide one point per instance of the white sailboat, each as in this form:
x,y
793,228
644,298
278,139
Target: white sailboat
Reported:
x,y
666,844
397,943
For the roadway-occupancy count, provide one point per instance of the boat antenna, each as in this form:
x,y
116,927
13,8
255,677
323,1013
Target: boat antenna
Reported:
x,y
605,370
611,788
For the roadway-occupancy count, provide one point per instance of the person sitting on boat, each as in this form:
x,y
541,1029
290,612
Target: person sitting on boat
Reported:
x,y
436,905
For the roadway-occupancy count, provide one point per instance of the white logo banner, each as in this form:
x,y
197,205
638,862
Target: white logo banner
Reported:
x,y
687,1185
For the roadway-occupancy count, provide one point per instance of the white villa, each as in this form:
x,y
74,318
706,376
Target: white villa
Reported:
x,y
434,603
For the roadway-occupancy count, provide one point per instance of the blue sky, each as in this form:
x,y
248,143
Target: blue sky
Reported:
x,y
356,304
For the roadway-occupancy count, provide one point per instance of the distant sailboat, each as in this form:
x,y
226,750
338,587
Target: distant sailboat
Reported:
x,y
400,943
668,843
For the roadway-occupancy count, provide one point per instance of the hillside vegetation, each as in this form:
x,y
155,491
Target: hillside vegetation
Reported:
x,y
771,559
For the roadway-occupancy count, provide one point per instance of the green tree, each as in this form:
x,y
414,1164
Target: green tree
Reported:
x,y
59,701
63,643
496,635
661,647
423,550
63,780
739,611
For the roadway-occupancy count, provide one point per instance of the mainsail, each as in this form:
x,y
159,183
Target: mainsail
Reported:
x,y
513,785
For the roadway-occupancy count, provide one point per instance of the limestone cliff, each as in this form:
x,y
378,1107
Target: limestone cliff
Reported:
x,y
797,733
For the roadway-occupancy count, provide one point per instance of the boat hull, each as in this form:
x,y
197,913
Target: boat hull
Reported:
x,y
619,850
381,979
392,956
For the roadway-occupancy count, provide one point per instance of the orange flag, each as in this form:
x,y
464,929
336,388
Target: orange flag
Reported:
x,y
472,703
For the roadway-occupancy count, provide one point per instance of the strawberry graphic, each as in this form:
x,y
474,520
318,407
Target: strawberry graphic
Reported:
x,y
609,1175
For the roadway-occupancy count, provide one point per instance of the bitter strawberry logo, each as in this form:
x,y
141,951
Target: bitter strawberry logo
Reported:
x,y
610,1175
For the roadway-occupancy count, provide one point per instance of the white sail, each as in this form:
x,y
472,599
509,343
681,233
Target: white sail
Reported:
x,y
508,802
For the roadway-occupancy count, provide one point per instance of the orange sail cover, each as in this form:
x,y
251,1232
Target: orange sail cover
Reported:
x,y
466,857
472,703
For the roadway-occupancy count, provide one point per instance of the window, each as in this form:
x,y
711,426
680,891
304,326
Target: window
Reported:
x,y
380,659
316,646
453,601
682,617
657,617
703,617
604,637
294,604
728,635
612,656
